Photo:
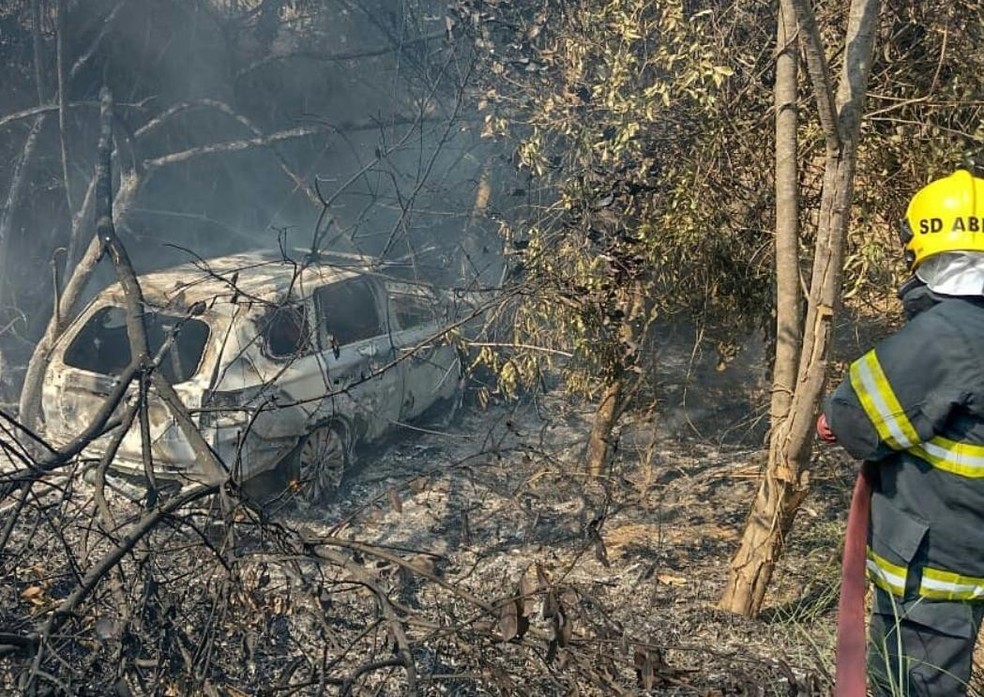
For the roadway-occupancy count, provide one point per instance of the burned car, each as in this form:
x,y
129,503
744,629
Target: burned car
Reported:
x,y
284,365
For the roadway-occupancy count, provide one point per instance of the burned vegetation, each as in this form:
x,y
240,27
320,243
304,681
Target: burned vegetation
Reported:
x,y
471,559
251,444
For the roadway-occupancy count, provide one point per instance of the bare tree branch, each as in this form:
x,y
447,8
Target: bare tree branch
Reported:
x,y
820,76
62,98
16,186
104,27
279,136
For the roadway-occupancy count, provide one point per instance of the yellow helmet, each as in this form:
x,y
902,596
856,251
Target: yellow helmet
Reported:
x,y
946,215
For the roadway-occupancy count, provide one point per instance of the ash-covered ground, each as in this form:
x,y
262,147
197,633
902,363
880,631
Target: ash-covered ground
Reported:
x,y
470,558
641,555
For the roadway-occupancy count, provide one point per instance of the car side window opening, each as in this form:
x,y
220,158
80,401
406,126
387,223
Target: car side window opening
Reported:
x,y
412,310
285,331
180,363
102,345
347,312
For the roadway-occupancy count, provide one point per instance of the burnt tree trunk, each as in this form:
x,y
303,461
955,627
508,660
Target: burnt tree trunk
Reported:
x,y
775,504
789,329
785,482
606,415
136,331
623,374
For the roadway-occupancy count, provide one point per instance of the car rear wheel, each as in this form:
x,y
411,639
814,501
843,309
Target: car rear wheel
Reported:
x,y
318,464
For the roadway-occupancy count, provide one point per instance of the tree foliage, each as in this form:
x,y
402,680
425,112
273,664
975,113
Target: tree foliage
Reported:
x,y
622,114
645,132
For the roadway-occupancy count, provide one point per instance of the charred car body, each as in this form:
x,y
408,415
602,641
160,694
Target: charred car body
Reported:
x,y
288,366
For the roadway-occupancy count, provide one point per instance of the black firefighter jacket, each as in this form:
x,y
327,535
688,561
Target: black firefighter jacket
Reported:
x,y
914,406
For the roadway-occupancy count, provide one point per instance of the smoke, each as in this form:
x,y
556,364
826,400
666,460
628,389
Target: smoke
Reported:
x,y
236,116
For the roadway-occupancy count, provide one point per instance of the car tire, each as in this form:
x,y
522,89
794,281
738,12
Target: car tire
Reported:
x,y
317,465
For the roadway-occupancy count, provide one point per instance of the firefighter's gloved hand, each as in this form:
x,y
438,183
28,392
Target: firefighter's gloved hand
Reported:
x,y
823,430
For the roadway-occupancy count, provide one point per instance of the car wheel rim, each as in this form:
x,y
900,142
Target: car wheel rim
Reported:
x,y
321,462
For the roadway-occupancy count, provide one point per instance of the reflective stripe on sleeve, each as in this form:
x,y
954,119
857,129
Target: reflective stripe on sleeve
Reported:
x,y
946,585
886,575
963,459
894,428
880,403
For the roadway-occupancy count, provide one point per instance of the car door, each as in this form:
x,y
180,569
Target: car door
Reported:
x,y
358,353
287,379
429,362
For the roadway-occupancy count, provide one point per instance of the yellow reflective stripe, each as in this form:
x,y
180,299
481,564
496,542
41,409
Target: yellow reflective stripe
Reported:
x,y
946,585
894,428
964,459
880,403
886,575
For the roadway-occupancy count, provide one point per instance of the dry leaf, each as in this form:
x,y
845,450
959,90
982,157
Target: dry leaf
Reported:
x,y
466,534
508,620
645,671
550,605
551,651
34,595
601,554
423,563
566,628
527,589
671,580
394,499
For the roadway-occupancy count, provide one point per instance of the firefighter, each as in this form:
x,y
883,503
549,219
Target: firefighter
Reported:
x,y
913,409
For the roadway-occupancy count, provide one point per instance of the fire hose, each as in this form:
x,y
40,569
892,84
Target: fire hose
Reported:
x,y
850,675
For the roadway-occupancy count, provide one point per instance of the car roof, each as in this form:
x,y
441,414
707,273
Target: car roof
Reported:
x,y
265,275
